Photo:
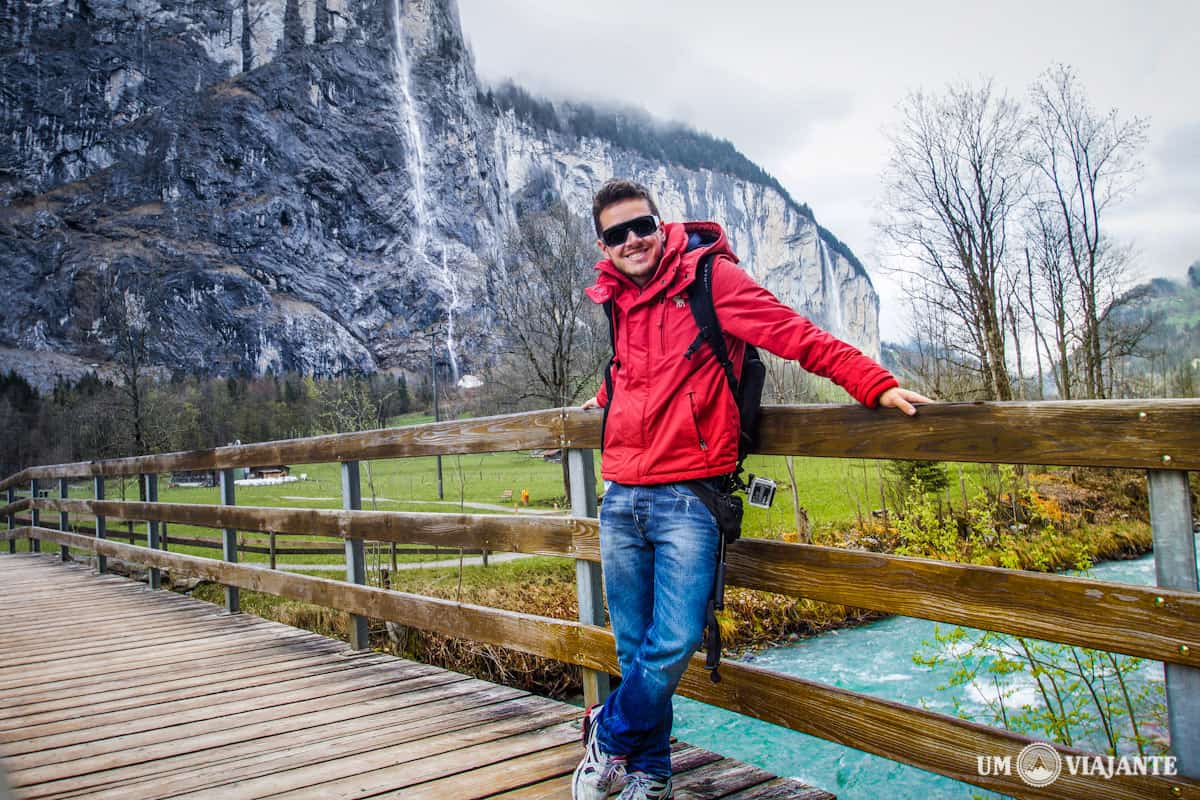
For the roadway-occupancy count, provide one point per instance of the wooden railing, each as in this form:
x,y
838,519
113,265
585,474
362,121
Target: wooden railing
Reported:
x,y
1161,623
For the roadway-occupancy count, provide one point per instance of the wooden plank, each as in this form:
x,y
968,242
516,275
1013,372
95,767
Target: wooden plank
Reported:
x,y
1116,433
1150,622
393,768
256,750
720,778
52,742
81,676
15,507
487,780
1102,433
566,536
145,702
105,695
138,735
525,431
781,789
210,632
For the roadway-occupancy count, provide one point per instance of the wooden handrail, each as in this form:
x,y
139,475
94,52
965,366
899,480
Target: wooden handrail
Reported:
x,y
947,745
526,431
1141,434
1148,622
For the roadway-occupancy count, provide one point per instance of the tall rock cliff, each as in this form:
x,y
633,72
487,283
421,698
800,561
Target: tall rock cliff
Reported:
x,y
312,185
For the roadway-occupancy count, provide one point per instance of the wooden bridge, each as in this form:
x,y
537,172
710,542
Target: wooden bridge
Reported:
x,y
111,689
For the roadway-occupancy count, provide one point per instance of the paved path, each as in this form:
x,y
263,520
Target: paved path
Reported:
x,y
467,504
467,561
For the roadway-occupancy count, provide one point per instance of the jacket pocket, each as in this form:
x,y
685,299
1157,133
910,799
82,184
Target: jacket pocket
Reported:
x,y
696,421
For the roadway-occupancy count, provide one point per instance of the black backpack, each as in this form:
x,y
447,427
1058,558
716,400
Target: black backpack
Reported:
x,y
717,494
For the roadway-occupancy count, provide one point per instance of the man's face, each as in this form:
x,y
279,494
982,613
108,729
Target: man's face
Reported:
x,y
636,257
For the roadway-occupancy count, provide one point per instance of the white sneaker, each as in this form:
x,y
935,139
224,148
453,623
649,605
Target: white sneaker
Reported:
x,y
641,786
595,774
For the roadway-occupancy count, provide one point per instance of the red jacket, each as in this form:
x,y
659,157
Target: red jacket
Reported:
x,y
673,418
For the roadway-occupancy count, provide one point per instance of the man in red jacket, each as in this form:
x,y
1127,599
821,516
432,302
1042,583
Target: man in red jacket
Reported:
x,y
672,418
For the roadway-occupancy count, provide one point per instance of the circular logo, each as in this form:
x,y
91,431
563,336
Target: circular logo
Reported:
x,y
1039,764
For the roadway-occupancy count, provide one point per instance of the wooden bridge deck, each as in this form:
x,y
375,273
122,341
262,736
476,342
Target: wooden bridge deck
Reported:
x,y
111,690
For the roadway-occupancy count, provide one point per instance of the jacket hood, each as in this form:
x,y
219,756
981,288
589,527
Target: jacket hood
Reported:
x,y
686,243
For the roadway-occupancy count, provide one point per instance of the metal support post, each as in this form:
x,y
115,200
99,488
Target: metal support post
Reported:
x,y
589,579
35,516
356,557
150,482
12,519
1175,567
64,519
101,523
233,602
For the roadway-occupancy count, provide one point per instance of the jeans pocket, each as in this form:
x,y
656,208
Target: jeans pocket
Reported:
x,y
682,492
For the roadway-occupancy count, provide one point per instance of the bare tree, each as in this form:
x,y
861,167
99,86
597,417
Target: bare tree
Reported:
x,y
554,339
1051,291
954,181
1085,162
125,328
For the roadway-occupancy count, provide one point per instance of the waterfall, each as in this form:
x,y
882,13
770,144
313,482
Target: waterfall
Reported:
x,y
833,292
451,304
420,193
412,131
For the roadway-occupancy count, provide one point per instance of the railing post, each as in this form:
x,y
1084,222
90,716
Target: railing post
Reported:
x,y
356,557
589,579
64,519
150,482
35,516
233,600
101,523
1175,567
12,519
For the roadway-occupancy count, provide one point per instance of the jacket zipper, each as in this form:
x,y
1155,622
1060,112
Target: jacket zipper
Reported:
x,y
662,326
696,420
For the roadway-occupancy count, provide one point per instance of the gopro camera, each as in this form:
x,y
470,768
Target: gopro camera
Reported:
x,y
760,492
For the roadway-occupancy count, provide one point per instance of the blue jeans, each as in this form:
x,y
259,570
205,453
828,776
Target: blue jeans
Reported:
x,y
658,545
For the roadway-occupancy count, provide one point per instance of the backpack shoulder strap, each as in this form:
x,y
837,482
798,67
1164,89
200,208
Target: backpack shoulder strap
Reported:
x,y
700,300
610,314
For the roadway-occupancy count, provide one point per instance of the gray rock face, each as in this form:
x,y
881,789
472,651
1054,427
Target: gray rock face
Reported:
x,y
308,185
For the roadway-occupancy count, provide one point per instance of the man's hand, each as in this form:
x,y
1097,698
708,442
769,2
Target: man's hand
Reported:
x,y
902,399
591,402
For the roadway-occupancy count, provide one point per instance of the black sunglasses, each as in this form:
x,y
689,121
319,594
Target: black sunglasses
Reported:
x,y
641,227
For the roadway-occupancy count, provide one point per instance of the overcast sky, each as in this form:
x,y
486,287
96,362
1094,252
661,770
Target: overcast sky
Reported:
x,y
809,90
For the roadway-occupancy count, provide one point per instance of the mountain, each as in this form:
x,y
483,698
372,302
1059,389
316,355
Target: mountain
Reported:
x,y
318,185
1170,313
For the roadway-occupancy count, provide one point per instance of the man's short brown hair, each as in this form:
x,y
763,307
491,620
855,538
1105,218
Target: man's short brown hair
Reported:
x,y
616,190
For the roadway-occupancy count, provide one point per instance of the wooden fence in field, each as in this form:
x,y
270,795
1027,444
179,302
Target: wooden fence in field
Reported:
x,y
1160,623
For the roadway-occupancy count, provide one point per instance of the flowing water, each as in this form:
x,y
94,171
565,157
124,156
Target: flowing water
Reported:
x,y
410,118
833,291
874,659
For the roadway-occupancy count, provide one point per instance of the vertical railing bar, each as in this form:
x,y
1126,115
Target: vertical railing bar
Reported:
x,y
101,523
64,518
35,516
1175,568
589,579
233,601
150,482
356,557
12,519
